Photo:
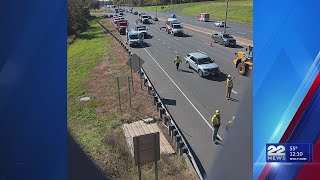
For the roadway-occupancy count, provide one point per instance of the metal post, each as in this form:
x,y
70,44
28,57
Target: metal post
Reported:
x,y
129,92
225,23
119,92
156,10
140,73
139,166
155,154
131,70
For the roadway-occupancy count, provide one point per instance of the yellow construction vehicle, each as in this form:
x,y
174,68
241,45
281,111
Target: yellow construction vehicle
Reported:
x,y
244,60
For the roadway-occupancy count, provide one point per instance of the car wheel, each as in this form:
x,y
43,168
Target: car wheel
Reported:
x,y
188,64
221,43
225,44
200,73
242,68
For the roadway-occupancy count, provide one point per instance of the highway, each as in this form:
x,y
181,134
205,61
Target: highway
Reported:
x,y
235,29
192,100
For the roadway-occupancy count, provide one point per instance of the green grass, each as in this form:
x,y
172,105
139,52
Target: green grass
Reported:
x,y
84,54
238,10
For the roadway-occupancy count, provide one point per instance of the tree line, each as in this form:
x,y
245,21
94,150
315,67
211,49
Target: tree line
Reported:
x,y
153,2
79,15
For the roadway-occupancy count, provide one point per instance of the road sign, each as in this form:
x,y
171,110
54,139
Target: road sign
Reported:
x,y
146,148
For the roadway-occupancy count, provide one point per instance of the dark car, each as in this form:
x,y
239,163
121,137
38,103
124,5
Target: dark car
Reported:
x,y
155,19
135,13
224,39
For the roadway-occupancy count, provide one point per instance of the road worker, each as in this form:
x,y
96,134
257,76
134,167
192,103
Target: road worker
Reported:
x,y
229,86
216,125
230,122
177,61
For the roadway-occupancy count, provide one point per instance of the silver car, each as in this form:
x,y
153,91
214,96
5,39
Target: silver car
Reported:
x,y
202,64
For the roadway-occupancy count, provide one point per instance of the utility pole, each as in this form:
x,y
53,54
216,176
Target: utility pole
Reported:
x,y
225,23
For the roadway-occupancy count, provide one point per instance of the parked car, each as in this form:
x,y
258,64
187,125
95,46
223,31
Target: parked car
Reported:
x,y
219,24
202,64
135,13
224,39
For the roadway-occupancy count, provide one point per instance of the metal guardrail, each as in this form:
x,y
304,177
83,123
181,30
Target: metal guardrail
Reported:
x,y
172,122
182,147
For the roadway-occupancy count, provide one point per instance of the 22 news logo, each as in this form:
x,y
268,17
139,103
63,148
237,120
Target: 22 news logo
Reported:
x,y
276,153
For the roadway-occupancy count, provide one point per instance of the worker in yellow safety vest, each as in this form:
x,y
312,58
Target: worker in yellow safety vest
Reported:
x,y
216,125
177,61
229,86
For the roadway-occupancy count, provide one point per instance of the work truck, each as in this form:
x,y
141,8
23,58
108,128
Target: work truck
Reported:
x,y
144,19
122,26
174,27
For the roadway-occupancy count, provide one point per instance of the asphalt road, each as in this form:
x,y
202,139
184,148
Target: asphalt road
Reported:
x,y
235,29
193,100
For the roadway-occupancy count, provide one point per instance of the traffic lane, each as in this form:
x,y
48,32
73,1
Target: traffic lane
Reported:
x,y
210,94
222,55
236,29
195,130
166,54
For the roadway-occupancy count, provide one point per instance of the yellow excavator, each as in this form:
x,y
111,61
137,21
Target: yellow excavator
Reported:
x,y
244,60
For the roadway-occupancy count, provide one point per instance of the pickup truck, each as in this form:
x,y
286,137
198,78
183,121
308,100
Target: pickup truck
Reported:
x,y
122,26
142,30
145,19
174,27
224,39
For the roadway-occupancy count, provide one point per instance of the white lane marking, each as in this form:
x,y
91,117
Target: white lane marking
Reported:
x,y
234,91
207,44
176,52
169,47
176,39
158,39
204,119
202,52
163,43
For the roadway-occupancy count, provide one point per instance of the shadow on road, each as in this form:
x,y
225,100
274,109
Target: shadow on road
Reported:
x,y
222,77
237,46
186,71
170,102
234,100
80,166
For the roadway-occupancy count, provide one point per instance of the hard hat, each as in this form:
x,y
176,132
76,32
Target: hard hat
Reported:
x,y
217,111
229,76
233,117
177,55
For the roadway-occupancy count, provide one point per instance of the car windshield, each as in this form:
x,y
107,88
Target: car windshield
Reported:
x,y
141,29
227,36
145,17
177,26
149,17
123,24
205,61
133,37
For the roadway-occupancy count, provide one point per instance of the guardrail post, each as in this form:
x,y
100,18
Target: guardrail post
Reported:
x,y
171,128
173,134
158,105
180,146
155,100
184,149
166,119
162,111
177,138
145,82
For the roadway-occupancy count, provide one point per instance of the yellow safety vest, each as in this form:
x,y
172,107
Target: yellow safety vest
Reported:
x,y
177,60
215,119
